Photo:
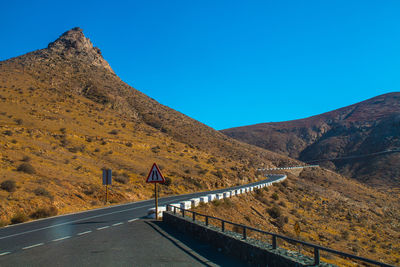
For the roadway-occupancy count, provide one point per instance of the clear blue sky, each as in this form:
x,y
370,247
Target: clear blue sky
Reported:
x,y
229,63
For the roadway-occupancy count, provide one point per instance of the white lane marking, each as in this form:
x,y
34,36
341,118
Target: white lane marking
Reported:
x,y
116,224
167,199
5,253
133,220
84,233
61,238
104,227
36,245
83,219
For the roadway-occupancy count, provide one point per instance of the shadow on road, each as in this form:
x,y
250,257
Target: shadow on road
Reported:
x,y
204,253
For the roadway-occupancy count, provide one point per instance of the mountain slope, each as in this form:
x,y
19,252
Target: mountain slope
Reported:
x,y
331,210
351,133
65,114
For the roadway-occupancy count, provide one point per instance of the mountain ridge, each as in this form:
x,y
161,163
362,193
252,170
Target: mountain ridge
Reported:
x,y
74,50
366,127
65,115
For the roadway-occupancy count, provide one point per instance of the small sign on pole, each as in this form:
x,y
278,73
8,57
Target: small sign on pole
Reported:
x,y
107,180
155,177
107,174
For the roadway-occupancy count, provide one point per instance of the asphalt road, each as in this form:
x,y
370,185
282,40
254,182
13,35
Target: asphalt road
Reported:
x,y
73,239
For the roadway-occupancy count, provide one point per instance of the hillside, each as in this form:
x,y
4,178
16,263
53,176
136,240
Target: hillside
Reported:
x,y
331,210
65,115
349,137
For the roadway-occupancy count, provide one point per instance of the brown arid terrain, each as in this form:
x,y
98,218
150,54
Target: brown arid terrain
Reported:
x,y
65,115
331,210
358,141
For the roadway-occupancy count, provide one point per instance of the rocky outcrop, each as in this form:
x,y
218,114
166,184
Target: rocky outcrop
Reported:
x,y
73,43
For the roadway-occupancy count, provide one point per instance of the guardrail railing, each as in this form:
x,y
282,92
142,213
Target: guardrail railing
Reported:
x,y
274,237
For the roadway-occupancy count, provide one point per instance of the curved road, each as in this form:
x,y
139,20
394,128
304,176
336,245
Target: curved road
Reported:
x,y
38,237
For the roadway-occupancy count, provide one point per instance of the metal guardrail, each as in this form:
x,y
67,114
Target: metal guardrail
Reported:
x,y
274,237
287,168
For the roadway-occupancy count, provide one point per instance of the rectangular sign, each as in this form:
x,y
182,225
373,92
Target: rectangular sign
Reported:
x,y
107,174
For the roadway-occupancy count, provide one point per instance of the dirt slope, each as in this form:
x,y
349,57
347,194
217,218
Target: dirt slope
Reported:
x,y
331,210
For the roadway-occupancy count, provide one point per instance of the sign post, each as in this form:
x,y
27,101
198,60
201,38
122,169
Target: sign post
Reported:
x,y
155,177
107,178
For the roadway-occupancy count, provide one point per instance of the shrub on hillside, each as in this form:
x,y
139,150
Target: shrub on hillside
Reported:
x,y
40,191
168,181
8,133
218,173
274,212
26,159
275,196
228,202
27,168
64,141
44,212
129,144
345,234
8,185
216,202
73,149
281,221
202,171
212,160
19,218
121,179
259,192
156,149
152,121
114,132
91,189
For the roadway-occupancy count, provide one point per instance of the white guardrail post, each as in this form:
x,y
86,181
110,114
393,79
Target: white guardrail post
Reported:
x,y
194,202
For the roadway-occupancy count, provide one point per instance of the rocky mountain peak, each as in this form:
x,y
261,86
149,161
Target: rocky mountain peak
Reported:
x,y
73,43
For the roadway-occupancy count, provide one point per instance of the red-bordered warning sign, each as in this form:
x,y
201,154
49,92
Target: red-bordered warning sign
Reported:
x,y
155,175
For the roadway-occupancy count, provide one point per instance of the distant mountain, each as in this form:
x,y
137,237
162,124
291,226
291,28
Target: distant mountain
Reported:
x,y
65,114
359,139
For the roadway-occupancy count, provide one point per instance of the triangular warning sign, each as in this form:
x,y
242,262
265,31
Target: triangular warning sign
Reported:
x,y
155,175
